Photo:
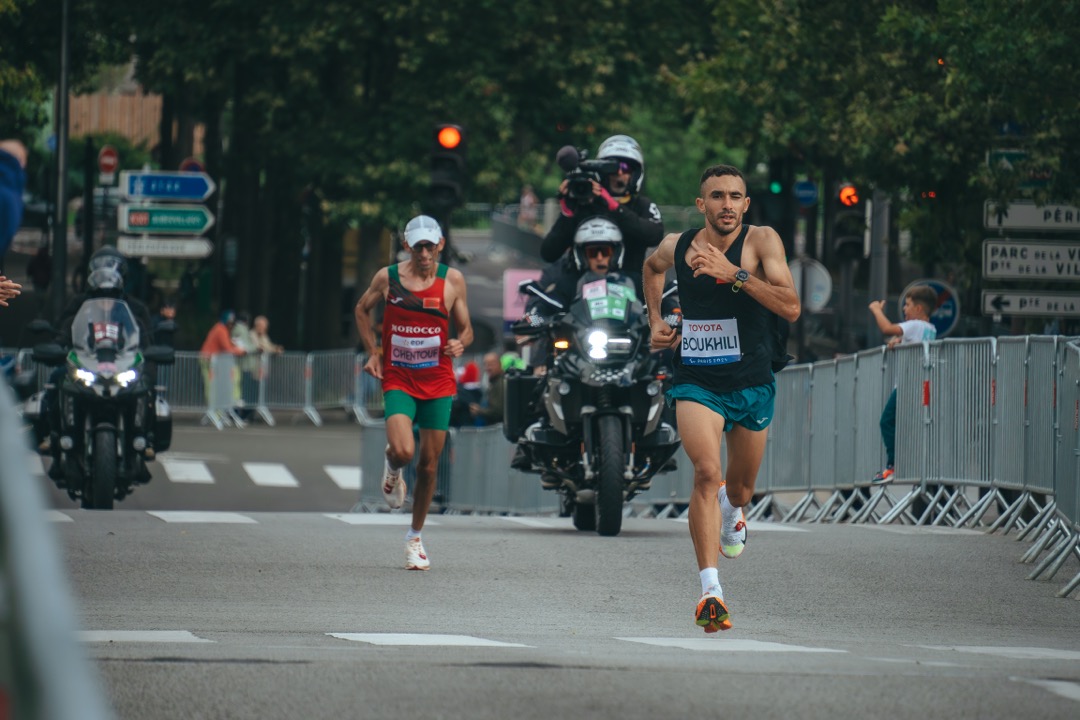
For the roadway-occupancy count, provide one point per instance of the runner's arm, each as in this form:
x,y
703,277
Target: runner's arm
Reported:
x,y
776,291
459,311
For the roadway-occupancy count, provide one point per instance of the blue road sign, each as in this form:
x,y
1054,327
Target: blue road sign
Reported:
x,y
806,193
166,185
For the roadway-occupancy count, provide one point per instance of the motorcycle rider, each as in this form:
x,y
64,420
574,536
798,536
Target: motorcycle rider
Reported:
x,y
618,199
105,278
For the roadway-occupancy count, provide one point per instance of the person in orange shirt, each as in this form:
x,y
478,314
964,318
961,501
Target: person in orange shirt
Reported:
x,y
219,342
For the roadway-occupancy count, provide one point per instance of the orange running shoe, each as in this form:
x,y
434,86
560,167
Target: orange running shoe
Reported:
x,y
712,614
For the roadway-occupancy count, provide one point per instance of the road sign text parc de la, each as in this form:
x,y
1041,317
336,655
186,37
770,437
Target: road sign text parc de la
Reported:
x,y
1031,259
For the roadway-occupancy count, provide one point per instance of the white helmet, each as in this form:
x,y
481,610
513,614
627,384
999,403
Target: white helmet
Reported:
x,y
598,231
626,148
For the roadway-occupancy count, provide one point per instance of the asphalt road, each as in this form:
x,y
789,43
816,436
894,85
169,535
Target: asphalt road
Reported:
x,y
286,615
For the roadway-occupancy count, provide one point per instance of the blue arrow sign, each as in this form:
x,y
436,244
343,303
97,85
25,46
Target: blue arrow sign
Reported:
x,y
806,193
166,185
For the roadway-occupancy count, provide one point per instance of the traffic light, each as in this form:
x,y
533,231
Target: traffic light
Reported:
x,y
448,162
776,176
850,224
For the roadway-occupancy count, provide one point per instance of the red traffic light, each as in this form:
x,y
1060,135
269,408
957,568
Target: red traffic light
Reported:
x,y
448,136
849,195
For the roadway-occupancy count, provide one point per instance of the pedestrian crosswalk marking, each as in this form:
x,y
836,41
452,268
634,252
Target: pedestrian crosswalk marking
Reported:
x,y
1063,688
416,639
719,643
162,636
187,471
57,516
194,516
533,522
1012,653
346,477
376,518
270,475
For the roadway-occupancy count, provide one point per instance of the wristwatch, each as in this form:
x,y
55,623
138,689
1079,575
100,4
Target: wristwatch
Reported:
x,y
741,276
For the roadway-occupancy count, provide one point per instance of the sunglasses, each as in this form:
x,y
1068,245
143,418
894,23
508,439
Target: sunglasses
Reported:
x,y
624,167
595,251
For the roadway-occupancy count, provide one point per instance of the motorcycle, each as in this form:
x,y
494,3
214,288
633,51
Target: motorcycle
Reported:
x,y
109,412
594,425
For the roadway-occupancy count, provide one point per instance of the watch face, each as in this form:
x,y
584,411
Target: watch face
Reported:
x,y
742,276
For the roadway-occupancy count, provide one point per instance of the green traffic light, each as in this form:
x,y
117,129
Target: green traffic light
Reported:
x,y
774,187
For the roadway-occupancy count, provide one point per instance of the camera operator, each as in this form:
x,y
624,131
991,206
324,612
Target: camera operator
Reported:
x,y
607,187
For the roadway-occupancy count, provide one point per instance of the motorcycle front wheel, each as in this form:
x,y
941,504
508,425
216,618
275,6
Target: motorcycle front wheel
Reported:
x,y
609,490
103,480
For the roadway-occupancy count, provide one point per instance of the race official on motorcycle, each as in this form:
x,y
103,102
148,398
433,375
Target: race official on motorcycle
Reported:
x,y
105,278
616,197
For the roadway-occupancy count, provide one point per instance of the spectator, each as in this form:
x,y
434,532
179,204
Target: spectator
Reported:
x,y
260,337
527,208
468,392
918,305
490,410
219,342
249,365
12,183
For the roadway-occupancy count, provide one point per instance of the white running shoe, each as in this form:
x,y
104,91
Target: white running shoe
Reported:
x,y
415,556
732,532
393,487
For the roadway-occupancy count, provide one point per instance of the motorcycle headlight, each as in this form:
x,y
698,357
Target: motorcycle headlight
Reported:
x,y
601,345
126,378
86,377
597,341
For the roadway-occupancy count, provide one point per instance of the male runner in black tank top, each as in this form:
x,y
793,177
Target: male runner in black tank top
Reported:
x,y
732,277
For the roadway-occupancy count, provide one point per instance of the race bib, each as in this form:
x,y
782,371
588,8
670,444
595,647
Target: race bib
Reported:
x,y
710,342
414,353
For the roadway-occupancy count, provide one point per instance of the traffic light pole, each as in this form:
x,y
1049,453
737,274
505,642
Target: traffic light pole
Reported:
x,y
879,257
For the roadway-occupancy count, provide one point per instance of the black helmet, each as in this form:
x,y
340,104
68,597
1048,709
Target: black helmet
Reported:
x,y
107,257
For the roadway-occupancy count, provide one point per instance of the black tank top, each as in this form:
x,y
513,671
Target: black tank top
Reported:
x,y
726,343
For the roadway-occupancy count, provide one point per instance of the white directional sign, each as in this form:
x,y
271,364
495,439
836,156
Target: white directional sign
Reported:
x,y
1026,216
1031,259
1023,302
191,248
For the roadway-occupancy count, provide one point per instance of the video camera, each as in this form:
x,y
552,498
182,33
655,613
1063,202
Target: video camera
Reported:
x,y
581,172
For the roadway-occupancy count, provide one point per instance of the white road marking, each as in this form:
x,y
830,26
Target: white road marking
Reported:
x,y
533,522
270,475
758,526
165,636
376,518
424,640
919,529
194,516
719,643
187,471
1063,688
346,477
57,516
1013,653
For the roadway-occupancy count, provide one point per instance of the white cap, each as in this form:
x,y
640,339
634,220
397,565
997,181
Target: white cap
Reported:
x,y
422,229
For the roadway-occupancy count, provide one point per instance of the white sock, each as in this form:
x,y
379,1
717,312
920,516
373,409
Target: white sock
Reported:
x,y
390,470
710,580
728,512
412,535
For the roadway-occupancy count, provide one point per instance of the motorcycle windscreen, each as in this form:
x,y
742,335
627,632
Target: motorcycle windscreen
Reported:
x,y
104,322
607,300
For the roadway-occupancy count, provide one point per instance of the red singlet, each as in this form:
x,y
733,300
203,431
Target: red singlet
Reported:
x,y
416,326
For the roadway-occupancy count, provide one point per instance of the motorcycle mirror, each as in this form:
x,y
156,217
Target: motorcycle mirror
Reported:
x,y
527,285
160,354
51,354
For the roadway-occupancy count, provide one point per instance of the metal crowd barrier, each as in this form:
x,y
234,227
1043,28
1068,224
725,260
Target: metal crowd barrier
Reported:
x,y
43,671
985,426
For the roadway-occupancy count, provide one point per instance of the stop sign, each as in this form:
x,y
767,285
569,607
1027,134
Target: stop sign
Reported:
x,y
108,159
